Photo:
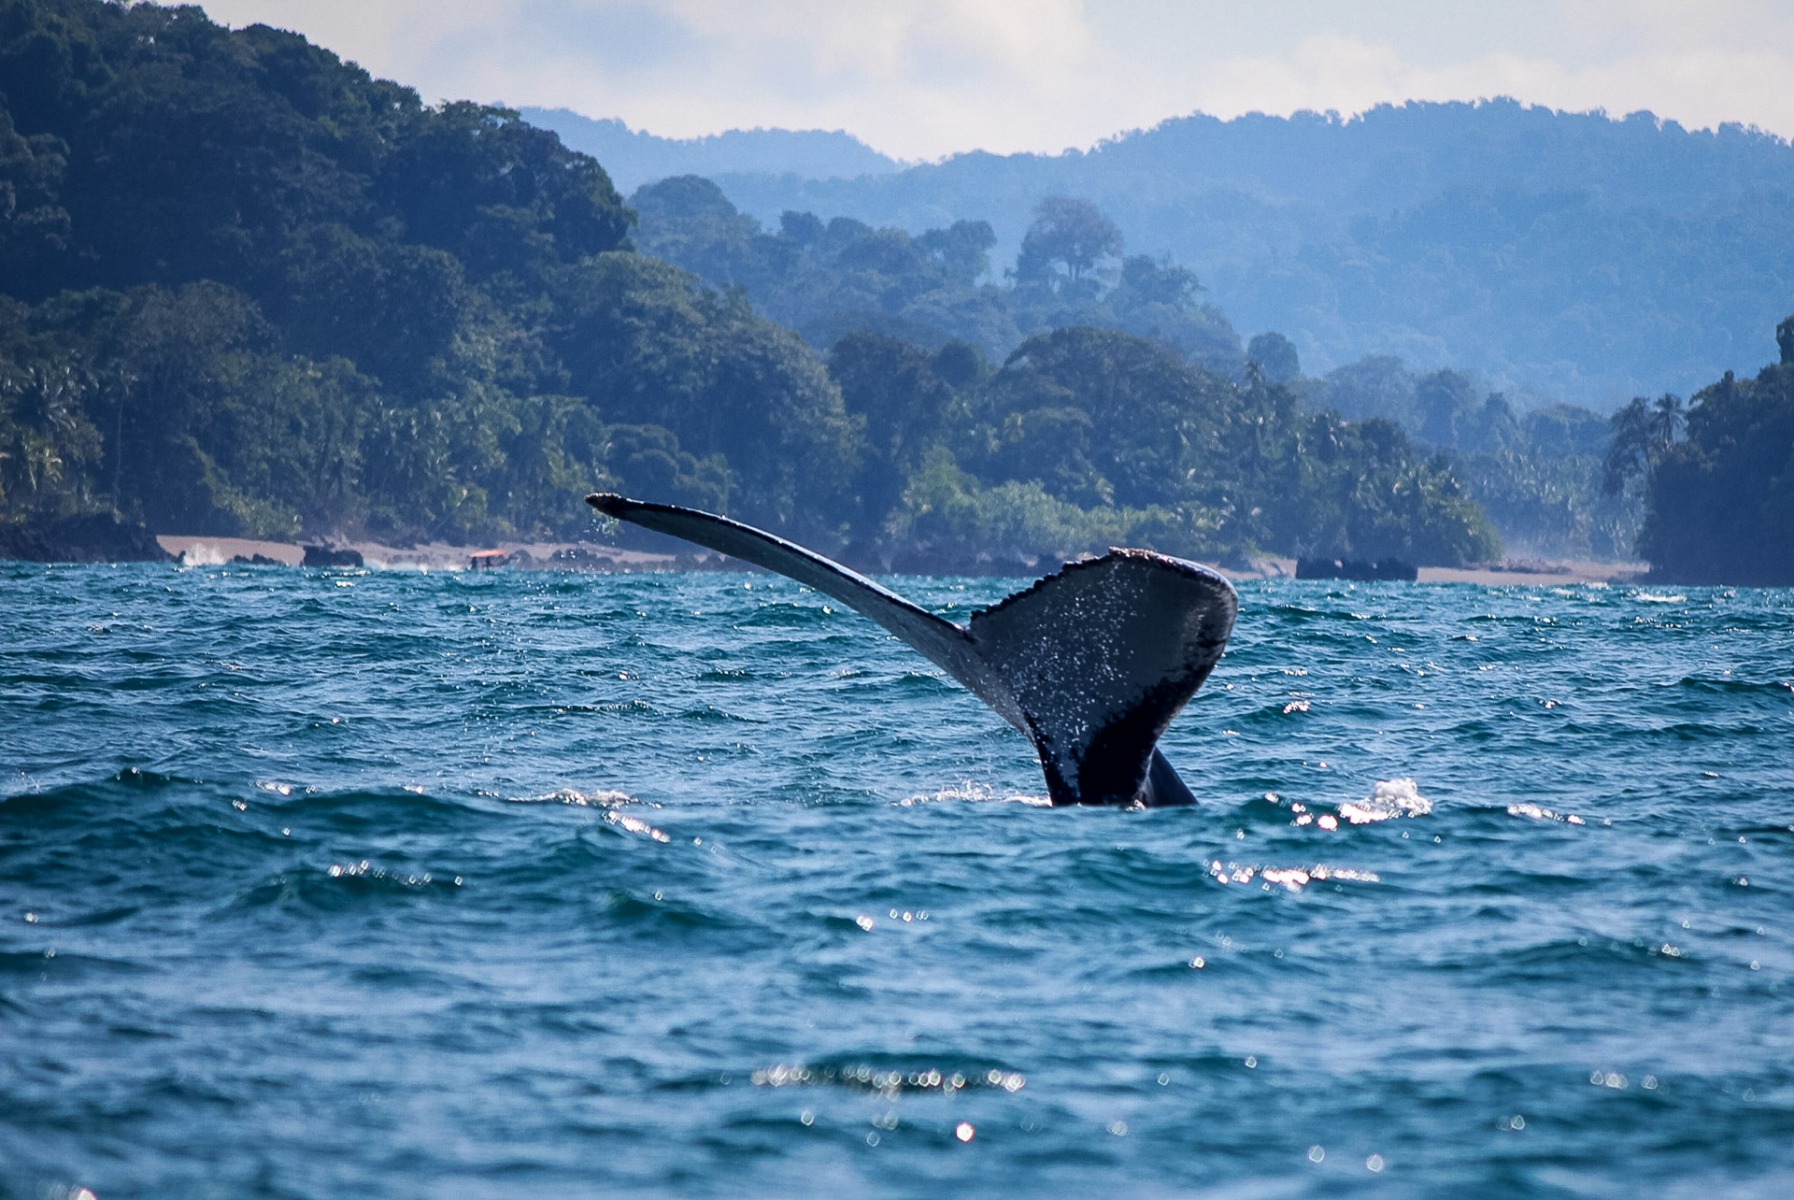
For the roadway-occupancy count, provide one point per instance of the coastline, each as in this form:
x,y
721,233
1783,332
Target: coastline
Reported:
x,y
204,550
200,550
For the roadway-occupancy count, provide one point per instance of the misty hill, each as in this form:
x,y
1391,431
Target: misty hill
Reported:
x,y
635,157
1564,256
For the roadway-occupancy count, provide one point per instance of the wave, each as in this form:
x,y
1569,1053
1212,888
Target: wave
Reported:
x,y
975,793
686,934
1389,798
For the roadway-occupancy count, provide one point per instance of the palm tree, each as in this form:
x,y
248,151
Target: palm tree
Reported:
x,y
45,437
1643,433
1630,452
1666,422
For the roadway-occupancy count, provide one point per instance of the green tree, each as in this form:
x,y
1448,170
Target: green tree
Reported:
x,y
961,251
47,440
659,348
504,197
34,226
395,309
1375,386
687,220
950,521
1159,300
1069,239
645,460
1097,416
1445,400
1667,420
901,404
1721,503
1276,357
1643,433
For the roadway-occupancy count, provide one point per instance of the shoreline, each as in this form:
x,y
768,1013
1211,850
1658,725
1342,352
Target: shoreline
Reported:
x,y
205,550
598,557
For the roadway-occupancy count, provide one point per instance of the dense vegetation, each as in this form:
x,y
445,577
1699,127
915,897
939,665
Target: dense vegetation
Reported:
x,y
1537,473
1574,256
825,278
1091,436
247,289
1555,479
1721,502
251,289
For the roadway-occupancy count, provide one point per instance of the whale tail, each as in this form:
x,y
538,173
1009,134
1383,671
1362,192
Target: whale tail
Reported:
x,y
1091,662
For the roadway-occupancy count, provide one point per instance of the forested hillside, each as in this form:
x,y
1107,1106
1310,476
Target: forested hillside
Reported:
x,y
1565,256
246,288
1537,472
250,289
826,277
1721,501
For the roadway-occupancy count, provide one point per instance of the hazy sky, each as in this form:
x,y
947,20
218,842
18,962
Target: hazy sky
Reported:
x,y
925,78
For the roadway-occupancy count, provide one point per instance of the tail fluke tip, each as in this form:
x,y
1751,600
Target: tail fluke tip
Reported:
x,y
606,502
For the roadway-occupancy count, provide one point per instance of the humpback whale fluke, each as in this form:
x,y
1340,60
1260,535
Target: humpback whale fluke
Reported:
x,y
1091,662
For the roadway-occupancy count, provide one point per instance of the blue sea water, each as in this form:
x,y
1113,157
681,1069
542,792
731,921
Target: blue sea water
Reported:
x,y
332,883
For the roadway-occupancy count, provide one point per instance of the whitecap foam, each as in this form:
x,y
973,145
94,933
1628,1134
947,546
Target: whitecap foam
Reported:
x,y
611,802
1539,813
1390,798
567,795
203,554
979,793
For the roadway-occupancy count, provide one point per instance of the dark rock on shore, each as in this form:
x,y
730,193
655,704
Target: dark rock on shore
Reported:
x,y
578,558
1359,570
332,556
89,538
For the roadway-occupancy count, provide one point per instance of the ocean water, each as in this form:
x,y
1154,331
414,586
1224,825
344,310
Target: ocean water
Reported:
x,y
333,883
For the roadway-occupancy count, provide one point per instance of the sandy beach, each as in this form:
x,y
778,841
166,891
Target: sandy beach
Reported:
x,y
1538,574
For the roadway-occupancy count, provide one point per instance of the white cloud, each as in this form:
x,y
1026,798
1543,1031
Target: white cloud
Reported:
x,y
923,78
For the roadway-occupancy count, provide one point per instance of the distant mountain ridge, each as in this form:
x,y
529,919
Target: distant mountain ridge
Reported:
x,y
1566,255
635,157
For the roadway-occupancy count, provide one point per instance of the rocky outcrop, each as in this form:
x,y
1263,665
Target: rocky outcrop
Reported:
x,y
1361,570
332,556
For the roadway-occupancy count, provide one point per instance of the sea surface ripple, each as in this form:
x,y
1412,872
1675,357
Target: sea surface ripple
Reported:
x,y
384,884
